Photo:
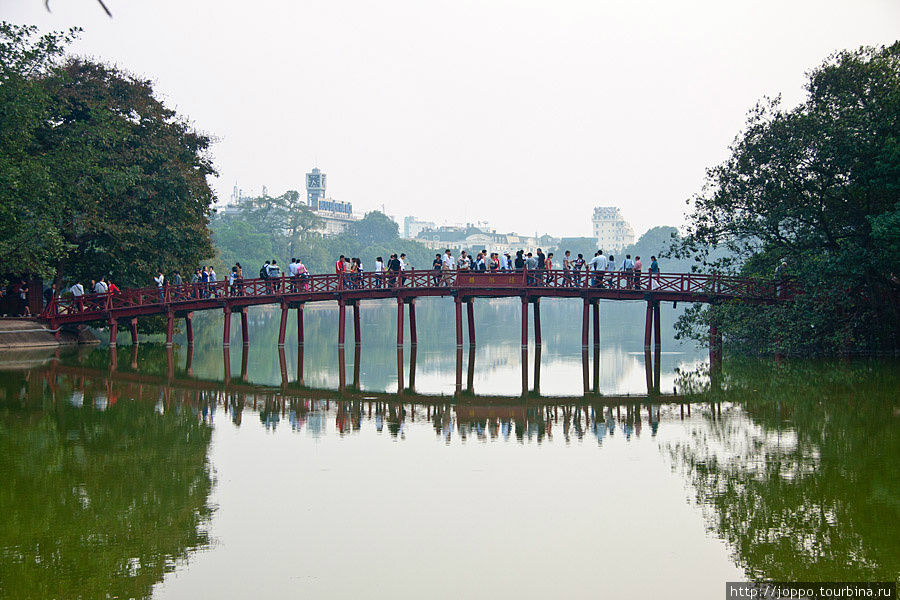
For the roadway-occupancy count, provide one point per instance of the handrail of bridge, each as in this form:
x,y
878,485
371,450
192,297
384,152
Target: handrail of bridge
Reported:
x,y
180,297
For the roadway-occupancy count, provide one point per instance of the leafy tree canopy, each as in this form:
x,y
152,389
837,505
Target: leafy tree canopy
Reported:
x,y
97,176
818,187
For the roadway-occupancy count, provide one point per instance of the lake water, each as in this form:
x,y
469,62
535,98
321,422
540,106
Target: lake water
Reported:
x,y
146,473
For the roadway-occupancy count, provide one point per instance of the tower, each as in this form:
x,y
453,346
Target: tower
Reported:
x,y
315,188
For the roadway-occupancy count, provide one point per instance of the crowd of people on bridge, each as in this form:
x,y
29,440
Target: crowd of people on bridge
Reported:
x,y
600,271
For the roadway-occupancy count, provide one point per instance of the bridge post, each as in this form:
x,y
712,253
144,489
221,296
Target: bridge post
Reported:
x,y
356,327
170,328
412,364
656,327
226,329
300,324
400,327
342,368
189,327
342,314
189,360
400,385
459,335
648,326
245,329
113,330
226,358
524,322
134,331
282,325
470,315
412,330
537,322
596,305
470,371
585,320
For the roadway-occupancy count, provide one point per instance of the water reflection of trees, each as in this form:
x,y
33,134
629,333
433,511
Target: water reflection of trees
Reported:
x,y
103,492
799,474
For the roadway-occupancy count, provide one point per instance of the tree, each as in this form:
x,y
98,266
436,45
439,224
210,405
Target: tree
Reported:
x,y
816,186
374,227
120,178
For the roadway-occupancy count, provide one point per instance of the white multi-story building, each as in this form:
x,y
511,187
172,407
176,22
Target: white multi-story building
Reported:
x,y
413,226
611,229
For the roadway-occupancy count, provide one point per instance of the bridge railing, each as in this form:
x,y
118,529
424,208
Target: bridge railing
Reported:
x,y
689,284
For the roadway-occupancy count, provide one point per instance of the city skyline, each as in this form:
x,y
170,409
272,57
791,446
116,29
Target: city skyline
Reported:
x,y
578,104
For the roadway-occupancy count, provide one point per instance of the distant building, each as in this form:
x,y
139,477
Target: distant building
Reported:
x,y
335,215
413,226
611,229
475,238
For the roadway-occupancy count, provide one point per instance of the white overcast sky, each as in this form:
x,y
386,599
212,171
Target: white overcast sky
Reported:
x,y
521,113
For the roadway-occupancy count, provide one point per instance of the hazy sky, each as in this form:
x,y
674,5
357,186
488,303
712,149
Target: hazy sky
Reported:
x,y
521,113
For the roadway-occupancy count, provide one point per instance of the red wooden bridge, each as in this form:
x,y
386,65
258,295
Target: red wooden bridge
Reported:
x,y
463,286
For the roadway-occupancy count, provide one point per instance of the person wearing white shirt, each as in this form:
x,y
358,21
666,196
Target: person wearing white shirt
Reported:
x,y
597,265
447,267
77,289
100,287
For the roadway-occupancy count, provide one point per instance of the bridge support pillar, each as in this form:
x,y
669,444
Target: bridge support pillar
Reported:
x,y
189,328
134,332
282,325
459,334
648,327
245,329
400,327
170,329
657,340
525,323
585,323
226,330
470,316
596,323
715,347
356,327
342,314
300,340
537,321
412,330
226,359
113,330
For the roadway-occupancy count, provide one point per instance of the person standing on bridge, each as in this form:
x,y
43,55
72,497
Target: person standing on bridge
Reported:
x,y
628,269
597,264
638,267
548,266
519,262
195,282
448,265
274,276
160,280
379,272
436,265
611,271
654,271
577,267
100,287
393,268
404,266
780,275
292,274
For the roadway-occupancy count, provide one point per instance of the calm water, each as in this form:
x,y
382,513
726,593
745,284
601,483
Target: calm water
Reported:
x,y
210,474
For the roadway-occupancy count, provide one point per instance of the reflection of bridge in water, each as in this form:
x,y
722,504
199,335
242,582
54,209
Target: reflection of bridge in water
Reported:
x,y
465,367
481,417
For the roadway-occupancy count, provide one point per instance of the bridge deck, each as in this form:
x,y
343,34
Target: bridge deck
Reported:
x,y
351,288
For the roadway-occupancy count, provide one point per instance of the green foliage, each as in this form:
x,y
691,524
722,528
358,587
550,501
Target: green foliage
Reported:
x,y
376,227
796,472
251,236
97,502
99,176
817,186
